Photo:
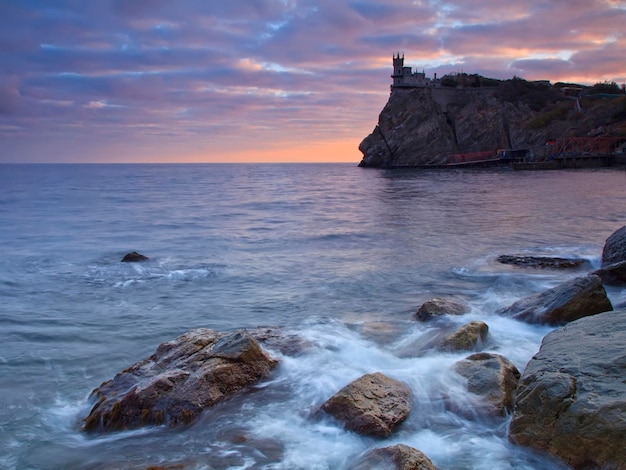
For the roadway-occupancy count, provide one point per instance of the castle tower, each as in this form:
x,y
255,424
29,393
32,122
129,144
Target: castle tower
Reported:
x,y
398,69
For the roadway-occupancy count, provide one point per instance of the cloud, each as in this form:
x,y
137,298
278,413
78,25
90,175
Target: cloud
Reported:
x,y
156,77
10,98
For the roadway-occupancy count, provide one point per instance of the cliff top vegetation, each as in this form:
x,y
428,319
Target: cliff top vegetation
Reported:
x,y
519,84
604,102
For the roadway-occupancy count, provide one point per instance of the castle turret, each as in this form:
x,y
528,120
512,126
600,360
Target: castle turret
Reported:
x,y
398,69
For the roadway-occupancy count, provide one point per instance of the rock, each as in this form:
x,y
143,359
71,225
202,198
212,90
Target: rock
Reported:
x,y
397,457
569,301
542,262
613,274
493,377
571,400
183,377
276,339
614,250
466,338
597,132
372,405
134,257
438,306
424,126
170,466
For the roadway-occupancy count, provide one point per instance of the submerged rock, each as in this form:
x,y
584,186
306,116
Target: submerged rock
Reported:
x,y
196,370
614,250
466,338
438,306
569,301
397,457
542,262
571,400
492,377
373,405
134,257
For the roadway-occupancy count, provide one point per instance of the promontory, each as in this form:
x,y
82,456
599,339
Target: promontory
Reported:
x,y
464,119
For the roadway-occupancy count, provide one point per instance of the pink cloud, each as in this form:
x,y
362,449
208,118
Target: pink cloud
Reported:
x,y
176,75
10,97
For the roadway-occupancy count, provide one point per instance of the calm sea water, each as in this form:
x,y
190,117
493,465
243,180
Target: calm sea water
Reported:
x,y
338,255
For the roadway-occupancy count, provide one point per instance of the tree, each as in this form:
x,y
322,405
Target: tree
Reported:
x,y
606,87
449,81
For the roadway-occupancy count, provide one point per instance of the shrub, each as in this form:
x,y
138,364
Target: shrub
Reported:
x,y
606,88
544,119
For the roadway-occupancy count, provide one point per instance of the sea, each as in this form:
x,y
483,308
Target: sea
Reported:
x,y
337,256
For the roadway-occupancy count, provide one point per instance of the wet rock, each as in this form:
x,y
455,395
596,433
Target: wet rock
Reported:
x,y
381,332
427,343
134,257
467,338
397,457
373,405
276,338
493,377
183,377
170,466
571,400
569,301
438,306
613,274
542,262
614,250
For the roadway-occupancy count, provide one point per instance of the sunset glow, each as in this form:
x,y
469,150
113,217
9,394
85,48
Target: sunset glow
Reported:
x,y
267,81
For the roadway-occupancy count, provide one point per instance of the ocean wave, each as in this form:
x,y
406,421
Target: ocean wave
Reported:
x,y
126,274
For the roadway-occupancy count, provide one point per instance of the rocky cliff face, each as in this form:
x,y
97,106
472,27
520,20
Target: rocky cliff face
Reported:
x,y
424,126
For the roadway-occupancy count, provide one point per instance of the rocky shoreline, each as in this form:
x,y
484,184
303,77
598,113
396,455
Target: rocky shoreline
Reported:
x,y
569,402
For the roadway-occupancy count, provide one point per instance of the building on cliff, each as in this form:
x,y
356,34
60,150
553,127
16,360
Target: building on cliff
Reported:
x,y
404,77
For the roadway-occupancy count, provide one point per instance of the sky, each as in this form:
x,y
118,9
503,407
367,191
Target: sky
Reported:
x,y
167,81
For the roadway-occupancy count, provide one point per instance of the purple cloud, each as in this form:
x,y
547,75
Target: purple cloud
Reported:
x,y
157,77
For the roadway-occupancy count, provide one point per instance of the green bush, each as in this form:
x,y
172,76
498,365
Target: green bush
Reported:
x,y
543,120
449,81
536,95
606,88
620,109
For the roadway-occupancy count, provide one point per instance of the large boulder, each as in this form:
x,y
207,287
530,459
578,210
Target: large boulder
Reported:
x,y
438,306
397,457
614,250
493,378
372,405
571,400
566,302
467,338
183,377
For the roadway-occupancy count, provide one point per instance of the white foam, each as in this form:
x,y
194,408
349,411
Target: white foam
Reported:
x,y
444,422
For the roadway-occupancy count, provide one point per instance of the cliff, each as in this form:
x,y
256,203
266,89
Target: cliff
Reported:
x,y
424,126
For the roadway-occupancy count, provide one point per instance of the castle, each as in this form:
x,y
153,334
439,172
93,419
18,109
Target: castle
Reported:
x,y
404,77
